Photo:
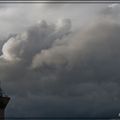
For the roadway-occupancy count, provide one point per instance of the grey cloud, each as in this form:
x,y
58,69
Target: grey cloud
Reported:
x,y
111,11
94,57
50,70
53,6
36,38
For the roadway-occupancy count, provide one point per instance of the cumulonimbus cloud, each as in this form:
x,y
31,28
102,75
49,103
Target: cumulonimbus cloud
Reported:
x,y
63,71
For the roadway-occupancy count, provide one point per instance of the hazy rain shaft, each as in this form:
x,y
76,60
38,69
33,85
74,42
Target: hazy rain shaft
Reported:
x,y
52,68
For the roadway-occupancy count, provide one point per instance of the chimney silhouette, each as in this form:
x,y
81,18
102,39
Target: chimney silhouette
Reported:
x,y
3,103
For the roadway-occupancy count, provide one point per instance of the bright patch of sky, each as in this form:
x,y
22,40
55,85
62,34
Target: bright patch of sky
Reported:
x,y
17,17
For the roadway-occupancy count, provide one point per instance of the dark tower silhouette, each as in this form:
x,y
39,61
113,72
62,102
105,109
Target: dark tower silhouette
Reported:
x,y
3,103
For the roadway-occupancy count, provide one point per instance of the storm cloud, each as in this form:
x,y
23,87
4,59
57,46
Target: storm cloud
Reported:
x,y
52,70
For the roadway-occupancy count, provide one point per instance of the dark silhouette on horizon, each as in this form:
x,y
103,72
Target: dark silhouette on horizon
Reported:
x,y
4,99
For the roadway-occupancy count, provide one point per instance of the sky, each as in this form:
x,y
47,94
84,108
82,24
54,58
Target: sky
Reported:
x,y
60,59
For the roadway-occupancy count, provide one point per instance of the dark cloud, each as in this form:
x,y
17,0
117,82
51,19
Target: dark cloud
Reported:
x,y
50,70
111,11
87,69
